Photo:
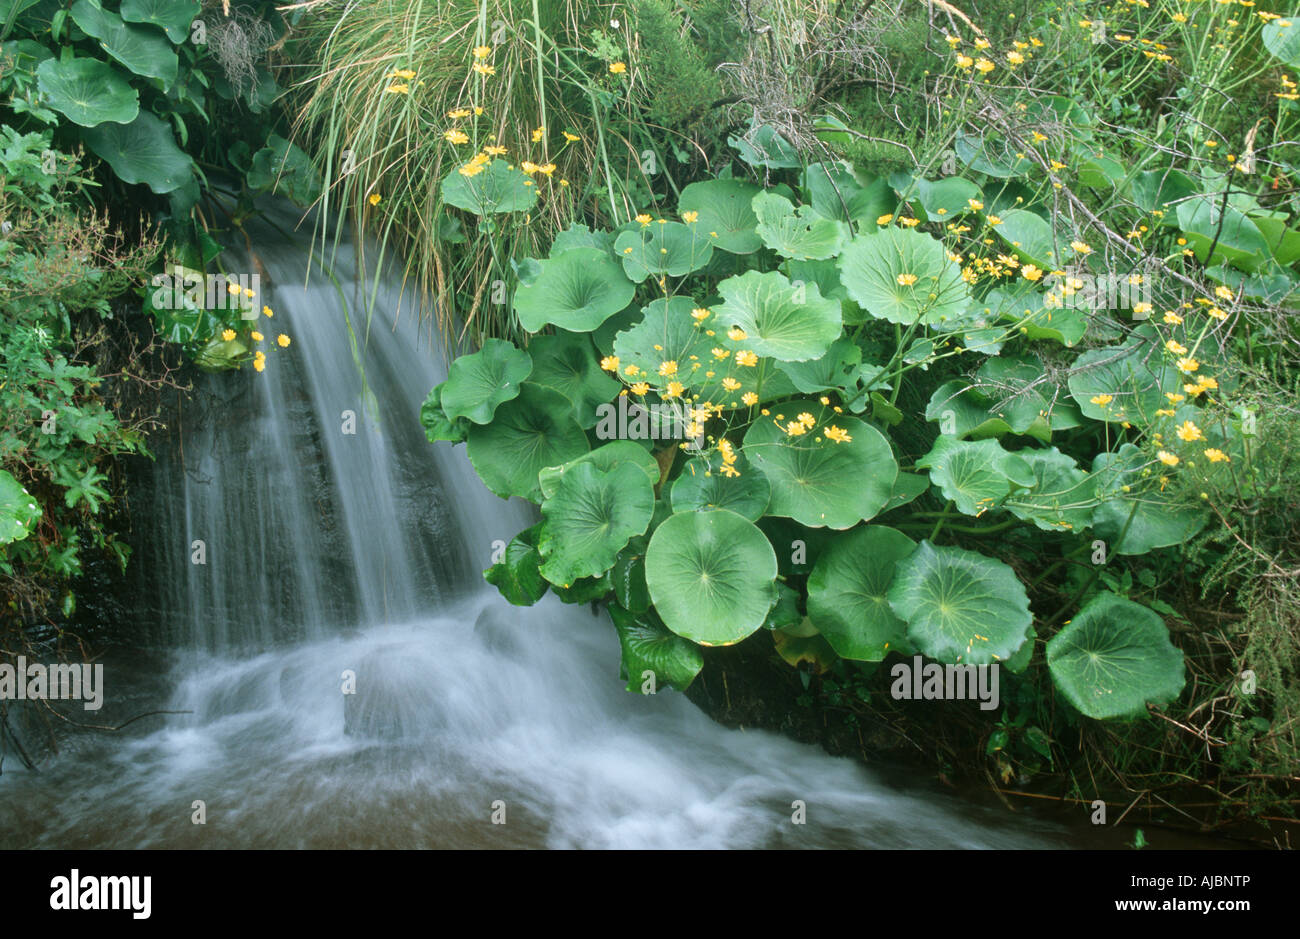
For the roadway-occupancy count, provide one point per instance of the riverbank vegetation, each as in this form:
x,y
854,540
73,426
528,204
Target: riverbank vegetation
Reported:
x,y
823,335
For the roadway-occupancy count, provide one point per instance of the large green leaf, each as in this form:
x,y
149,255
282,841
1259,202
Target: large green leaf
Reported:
x,y
1282,38
18,510
711,576
140,49
437,425
702,486
284,167
781,321
567,363
1018,390
143,151
947,198
960,606
764,146
1135,375
173,16
649,647
848,593
1030,236
1062,497
797,233
991,155
87,91
871,267
500,187
476,384
527,434
1113,658
1207,223
605,458
1163,190
663,248
815,480
975,475
838,368
839,192
723,206
516,575
591,517
1144,515
576,291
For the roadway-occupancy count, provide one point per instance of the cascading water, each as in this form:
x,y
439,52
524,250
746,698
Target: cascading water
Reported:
x,y
328,552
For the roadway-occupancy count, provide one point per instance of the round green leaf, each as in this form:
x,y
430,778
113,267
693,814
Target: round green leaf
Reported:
x,y
797,233
991,155
657,249
18,510
1282,38
589,520
527,434
576,291
516,576
711,576
975,475
284,167
947,198
143,151
723,206
173,16
87,91
787,323
1156,522
141,50
871,265
1062,497
837,369
477,384
703,486
815,480
960,606
666,333
648,647
604,458
1113,658
848,593
498,188
566,362
1030,236
1135,375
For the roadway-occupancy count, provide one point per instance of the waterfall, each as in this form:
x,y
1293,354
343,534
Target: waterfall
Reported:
x,y
330,554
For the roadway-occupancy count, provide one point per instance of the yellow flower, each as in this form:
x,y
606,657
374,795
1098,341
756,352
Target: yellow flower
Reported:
x,y
495,150
609,363
806,418
984,65
546,169
571,138
730,383
482,52
459,113
1167,458
484,69
1172,318
232,289
675,388
1223,293
1029,272
1215,313
994,220
257,337
1187,432
736,334
667,368
282,341
909,222
838,435
455,136
690,218
259,363
631,370
906,280
1177,348
700,313
982,44
974,204
640,388
618,68
964,61
749,398
746,358
884,219
1188,365
227,334
644,218
403,73
1173,396
529,167
1102,400
795,429
266,311
1015,58
720,354
1081,247
248,292
398,89
1215,455
375,198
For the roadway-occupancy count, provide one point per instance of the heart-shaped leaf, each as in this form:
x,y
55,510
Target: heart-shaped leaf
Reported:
x,y
703,486
975,475
838,368
902,276
848,593
777,320
476,384
589,520
839,192
140,49
87,91
285,168
723,207
1062,497
498,187
567,363
605,458
836,472
959,605
1144,515
1030,236
516,576
764,146
664,248
576,291
527,434
173,16
1282,38
143,151
1122,383
1113,658
797,233
711,576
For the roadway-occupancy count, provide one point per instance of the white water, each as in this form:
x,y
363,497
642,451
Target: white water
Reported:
x,y
329,552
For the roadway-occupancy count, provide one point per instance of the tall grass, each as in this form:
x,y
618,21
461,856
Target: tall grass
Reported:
x,y
375,106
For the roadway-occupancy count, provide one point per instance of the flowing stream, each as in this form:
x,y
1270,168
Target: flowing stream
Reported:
x,y
327,552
